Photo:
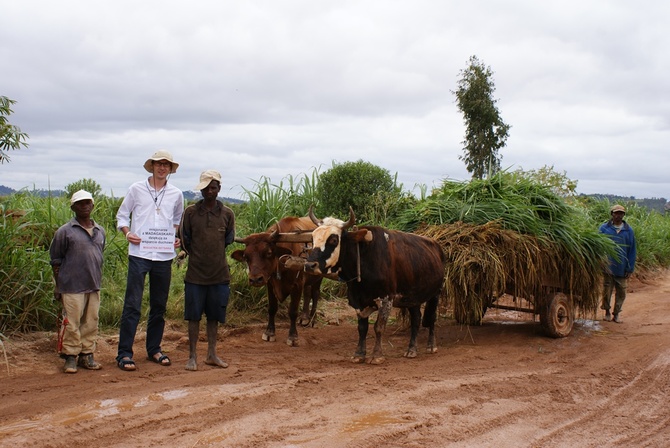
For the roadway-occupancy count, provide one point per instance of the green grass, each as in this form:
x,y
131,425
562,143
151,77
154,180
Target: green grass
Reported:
x,y
26,284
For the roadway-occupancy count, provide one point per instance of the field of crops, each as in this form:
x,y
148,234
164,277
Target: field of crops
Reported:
x,y
561,230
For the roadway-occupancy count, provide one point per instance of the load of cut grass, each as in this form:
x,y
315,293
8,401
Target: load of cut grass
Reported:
x,y
511,235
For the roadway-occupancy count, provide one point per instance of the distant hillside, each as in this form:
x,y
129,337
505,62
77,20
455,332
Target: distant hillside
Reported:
x,y
658,204
188,195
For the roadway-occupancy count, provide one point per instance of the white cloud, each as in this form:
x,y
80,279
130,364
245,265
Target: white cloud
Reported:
x,y
279,88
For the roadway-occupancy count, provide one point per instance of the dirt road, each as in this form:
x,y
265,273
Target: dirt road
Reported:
x,y
496,385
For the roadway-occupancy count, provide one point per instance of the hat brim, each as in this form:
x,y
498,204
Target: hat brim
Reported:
x,y
148,165
202,185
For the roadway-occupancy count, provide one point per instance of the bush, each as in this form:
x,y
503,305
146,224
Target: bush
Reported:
x,y
365,187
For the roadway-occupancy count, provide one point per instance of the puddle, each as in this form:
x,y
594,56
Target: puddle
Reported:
x,y
372,420
99,409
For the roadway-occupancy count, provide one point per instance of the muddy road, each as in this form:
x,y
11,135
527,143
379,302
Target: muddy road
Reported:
x,y
496,385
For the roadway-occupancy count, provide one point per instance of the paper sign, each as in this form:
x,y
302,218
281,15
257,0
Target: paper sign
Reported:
x,y
157,239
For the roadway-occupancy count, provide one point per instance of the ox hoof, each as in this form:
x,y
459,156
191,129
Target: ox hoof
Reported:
x,y
269,337
431,350
377,360
358,359
306,321
410,354
292,342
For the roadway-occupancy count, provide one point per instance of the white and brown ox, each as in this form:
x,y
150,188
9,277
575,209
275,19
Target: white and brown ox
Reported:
x,y
262,255
383,269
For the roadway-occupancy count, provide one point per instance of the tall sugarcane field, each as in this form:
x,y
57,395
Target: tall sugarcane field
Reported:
x,y
507,235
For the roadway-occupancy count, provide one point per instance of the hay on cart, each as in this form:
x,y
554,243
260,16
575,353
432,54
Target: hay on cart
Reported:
x,y
485,261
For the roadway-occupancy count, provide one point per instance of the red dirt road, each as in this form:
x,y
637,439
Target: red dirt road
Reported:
x,y
496,385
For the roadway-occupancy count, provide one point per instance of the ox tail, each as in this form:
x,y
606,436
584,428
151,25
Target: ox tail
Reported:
x,y
430,312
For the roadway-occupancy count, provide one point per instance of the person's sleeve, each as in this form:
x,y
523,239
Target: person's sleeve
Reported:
x,y
57,248
123,214
185,232
178,209
632,252
230,231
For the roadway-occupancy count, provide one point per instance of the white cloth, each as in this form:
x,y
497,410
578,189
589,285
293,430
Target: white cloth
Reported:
x,y
144,208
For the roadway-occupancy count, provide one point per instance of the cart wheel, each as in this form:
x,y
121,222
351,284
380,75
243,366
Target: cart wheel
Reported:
x,y
556,316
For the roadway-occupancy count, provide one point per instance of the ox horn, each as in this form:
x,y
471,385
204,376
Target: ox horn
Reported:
x,y
352,219
239,240
314,219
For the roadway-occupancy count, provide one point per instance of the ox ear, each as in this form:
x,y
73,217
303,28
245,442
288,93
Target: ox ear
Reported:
x,y
360,236
237,255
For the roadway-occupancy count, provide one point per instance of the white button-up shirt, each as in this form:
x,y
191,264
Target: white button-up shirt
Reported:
x,y
149,208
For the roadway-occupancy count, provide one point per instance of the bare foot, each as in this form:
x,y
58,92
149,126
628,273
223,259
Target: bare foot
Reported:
x,y
215,361
192,365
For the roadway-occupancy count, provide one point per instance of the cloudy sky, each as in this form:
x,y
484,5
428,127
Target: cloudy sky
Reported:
x,y
280,88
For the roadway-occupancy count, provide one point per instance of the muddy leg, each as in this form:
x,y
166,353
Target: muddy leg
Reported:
x,y
193,334
380,326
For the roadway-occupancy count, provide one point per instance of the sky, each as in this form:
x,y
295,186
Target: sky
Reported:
x,y
279,89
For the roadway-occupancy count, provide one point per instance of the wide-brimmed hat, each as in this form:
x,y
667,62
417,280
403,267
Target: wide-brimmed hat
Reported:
x,y
617,208
206,177
160,155
81,195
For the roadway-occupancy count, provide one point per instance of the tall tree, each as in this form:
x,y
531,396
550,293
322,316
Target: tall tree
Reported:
x,y
11,136
485,130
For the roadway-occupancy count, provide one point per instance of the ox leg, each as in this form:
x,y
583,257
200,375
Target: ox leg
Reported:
x,y
292,340
380,326
363,324
415,321
269,334
429,318
310,296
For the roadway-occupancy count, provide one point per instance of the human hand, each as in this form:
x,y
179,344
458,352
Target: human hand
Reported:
x,y
177,243
132,238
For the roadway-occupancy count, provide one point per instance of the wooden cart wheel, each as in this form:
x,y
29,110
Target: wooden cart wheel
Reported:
x,y
557,316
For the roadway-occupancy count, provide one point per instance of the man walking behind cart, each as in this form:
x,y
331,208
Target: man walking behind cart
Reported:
x,y
619,269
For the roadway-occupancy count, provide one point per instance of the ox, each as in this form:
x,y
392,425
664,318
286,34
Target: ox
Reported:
x,y
382,268
263,253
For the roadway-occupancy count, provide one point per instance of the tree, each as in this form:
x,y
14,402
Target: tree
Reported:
x,y
558,182
354,184
11,136
485,131
84,184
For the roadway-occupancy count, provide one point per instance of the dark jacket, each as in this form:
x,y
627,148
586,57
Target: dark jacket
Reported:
x,y
625,240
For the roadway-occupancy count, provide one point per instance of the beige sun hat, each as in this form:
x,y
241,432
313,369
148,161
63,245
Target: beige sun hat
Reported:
x,y
81,195
206,177
617,208
160,155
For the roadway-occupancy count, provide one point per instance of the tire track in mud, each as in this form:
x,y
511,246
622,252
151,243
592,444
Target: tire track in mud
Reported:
x,y
168,414
635,414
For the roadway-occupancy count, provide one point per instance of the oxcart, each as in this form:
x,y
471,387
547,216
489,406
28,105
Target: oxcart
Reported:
x,y
553,303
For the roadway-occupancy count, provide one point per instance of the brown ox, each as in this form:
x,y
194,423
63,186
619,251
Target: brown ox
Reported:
x,y
382,268
262,256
